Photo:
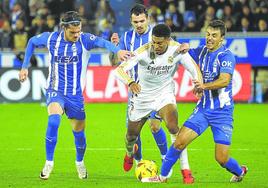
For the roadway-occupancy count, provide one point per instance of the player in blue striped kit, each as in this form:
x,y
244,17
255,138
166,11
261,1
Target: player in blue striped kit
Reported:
x,y
215,107
131,40
68,57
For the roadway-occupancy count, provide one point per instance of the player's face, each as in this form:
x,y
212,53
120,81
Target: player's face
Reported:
x,y
160,44
72,33
139,23
213,38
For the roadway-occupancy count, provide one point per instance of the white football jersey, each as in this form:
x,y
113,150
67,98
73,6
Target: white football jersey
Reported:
x,y
155,72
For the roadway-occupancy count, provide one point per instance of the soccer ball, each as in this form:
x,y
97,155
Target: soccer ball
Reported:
x,y
146,169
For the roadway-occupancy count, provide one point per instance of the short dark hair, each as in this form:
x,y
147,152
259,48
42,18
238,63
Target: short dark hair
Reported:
x,y
138,9
161,30
218,24
71,18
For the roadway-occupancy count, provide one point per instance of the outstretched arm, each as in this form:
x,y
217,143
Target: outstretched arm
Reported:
x,y
35,41
122,55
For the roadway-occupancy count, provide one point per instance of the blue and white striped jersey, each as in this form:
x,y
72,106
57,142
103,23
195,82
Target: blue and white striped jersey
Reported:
x,y
211,65
131,41
67,60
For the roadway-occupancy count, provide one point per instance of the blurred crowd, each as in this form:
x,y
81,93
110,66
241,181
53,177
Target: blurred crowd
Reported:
x,y
22,19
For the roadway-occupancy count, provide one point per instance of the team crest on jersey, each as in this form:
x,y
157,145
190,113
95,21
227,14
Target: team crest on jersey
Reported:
x,y
170,59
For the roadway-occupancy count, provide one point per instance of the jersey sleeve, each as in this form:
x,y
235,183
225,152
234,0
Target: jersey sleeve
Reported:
x,y
38,41
92,41
227,62
124,67
190,65
195,53
122,45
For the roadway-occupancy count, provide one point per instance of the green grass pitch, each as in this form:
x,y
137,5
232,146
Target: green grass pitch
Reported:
x,y
22,153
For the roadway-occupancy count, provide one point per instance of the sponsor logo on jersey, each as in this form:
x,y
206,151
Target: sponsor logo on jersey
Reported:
x,y
65,59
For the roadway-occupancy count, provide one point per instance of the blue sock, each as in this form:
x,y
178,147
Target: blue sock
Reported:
x,y
80,145
52,135
138,155
233,167
171,157
161,141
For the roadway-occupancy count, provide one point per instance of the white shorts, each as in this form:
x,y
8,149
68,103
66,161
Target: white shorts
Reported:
x,y
140,108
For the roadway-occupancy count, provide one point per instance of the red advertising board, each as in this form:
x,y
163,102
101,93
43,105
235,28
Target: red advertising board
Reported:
x,y
102,86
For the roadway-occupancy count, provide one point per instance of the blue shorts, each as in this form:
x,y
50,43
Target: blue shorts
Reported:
x,y
220,121
73,106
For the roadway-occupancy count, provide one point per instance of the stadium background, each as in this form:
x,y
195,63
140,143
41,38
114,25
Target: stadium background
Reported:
x,y
23,115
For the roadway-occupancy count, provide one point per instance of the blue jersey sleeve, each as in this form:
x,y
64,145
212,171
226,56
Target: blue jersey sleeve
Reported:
x,y
91,41
195,53
122,45
227,62
38,41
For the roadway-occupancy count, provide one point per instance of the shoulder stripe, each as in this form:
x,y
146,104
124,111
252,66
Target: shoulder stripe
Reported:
x,y
143,48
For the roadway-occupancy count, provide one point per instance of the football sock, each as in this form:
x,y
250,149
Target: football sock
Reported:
x,y
161,140
80,145
51,135
171,157
129,147
184,160
138,155
184,163
233,167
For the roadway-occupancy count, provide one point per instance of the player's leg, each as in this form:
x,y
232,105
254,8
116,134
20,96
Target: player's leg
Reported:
x,y
133,131
230,164
138,152
75,112
80,145
192,128
184,137
170,116
221,126
158,133
55,109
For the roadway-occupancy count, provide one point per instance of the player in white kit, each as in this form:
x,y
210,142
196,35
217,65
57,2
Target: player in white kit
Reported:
x,y
154,88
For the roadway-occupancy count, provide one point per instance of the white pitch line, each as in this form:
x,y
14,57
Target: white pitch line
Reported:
x,y
146,149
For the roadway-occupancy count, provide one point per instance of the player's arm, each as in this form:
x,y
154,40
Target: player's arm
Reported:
x,y
190,65
36,41
121,73
102,43
112,56
227,64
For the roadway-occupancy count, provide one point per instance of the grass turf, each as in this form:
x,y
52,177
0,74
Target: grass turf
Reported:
x,y
22,153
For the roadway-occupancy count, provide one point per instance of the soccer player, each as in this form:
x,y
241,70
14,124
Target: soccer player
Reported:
x,y
68,58
153,87
131,40
214,109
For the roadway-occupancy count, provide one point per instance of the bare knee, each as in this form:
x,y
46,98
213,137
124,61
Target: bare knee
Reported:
x,y
180,143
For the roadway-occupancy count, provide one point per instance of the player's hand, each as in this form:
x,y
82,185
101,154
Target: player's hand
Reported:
x,y
135,88
198,85
124,55
198,93
184,48
115,38
23,74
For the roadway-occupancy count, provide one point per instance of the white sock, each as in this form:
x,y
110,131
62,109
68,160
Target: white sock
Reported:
x,y
79,162
184,160
51,163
